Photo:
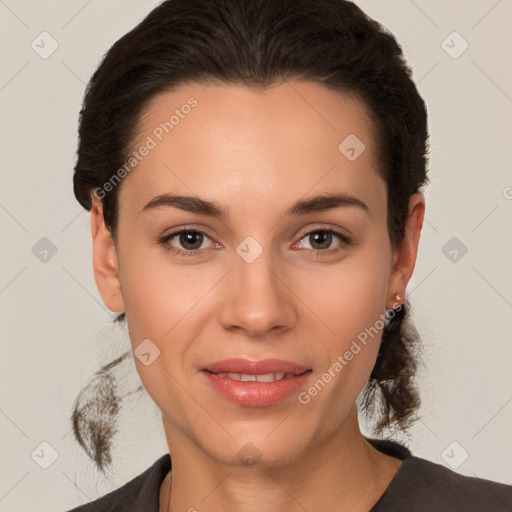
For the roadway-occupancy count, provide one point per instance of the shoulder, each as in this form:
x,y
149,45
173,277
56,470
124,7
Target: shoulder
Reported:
x,y
139,494
421,485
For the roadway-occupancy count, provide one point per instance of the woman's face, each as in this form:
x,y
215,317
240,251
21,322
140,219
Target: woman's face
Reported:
x,y
258,275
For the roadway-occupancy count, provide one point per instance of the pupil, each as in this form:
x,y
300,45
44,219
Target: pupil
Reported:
x,y
322,238
190,238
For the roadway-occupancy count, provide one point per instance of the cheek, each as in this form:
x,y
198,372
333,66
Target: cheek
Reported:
x,y
350,302
162,301
348,296
158,293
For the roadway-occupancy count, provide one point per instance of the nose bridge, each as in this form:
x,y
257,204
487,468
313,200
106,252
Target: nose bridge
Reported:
x,y
259,301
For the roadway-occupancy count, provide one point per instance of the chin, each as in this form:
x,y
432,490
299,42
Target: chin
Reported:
x,y
259,450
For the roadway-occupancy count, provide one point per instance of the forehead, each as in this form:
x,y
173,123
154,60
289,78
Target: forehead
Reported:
x,y
233,143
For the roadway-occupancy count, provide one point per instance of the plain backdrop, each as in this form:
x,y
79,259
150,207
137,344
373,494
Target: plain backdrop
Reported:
x,y
56,332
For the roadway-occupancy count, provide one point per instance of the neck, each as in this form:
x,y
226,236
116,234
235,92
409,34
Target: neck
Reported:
x,y
342,472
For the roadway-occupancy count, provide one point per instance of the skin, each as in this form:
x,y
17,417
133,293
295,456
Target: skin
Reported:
x,y
255,154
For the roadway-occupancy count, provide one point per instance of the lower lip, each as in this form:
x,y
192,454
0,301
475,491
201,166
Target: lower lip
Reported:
x,y
256,394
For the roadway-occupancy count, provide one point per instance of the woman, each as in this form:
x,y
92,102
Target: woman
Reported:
x,y
253,171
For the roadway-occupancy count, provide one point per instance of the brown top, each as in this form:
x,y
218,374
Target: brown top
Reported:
x,y
418,486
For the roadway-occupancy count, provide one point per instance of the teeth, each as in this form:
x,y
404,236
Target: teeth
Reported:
x,y
244,377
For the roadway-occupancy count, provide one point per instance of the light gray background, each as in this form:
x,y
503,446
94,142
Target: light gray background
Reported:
x,y
56,332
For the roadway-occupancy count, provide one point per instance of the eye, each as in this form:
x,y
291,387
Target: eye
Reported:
x,y
189,242
320,240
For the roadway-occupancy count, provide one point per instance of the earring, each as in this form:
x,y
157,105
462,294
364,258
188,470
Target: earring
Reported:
x,y
398,299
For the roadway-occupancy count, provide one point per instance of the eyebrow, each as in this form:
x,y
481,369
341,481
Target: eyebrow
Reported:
x,y
318,203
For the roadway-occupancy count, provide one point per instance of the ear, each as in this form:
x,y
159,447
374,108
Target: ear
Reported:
x,y
105,260
405,255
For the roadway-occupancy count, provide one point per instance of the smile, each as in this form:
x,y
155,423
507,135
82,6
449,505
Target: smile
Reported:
x,y
246,377
253,392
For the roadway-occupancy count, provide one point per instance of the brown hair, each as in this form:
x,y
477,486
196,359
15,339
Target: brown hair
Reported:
x,y
257,43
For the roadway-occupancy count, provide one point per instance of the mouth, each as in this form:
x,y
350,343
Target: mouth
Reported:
x,y
241,366
256,383
247,377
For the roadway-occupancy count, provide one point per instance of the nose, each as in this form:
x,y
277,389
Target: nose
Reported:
x,y
258,298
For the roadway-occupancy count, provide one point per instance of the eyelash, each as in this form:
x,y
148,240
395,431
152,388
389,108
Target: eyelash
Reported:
x,y
344,239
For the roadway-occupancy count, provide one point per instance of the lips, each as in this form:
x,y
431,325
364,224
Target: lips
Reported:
x,y
262,367
256,383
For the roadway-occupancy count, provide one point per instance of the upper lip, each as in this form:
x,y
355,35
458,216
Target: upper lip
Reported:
x,y
240,365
